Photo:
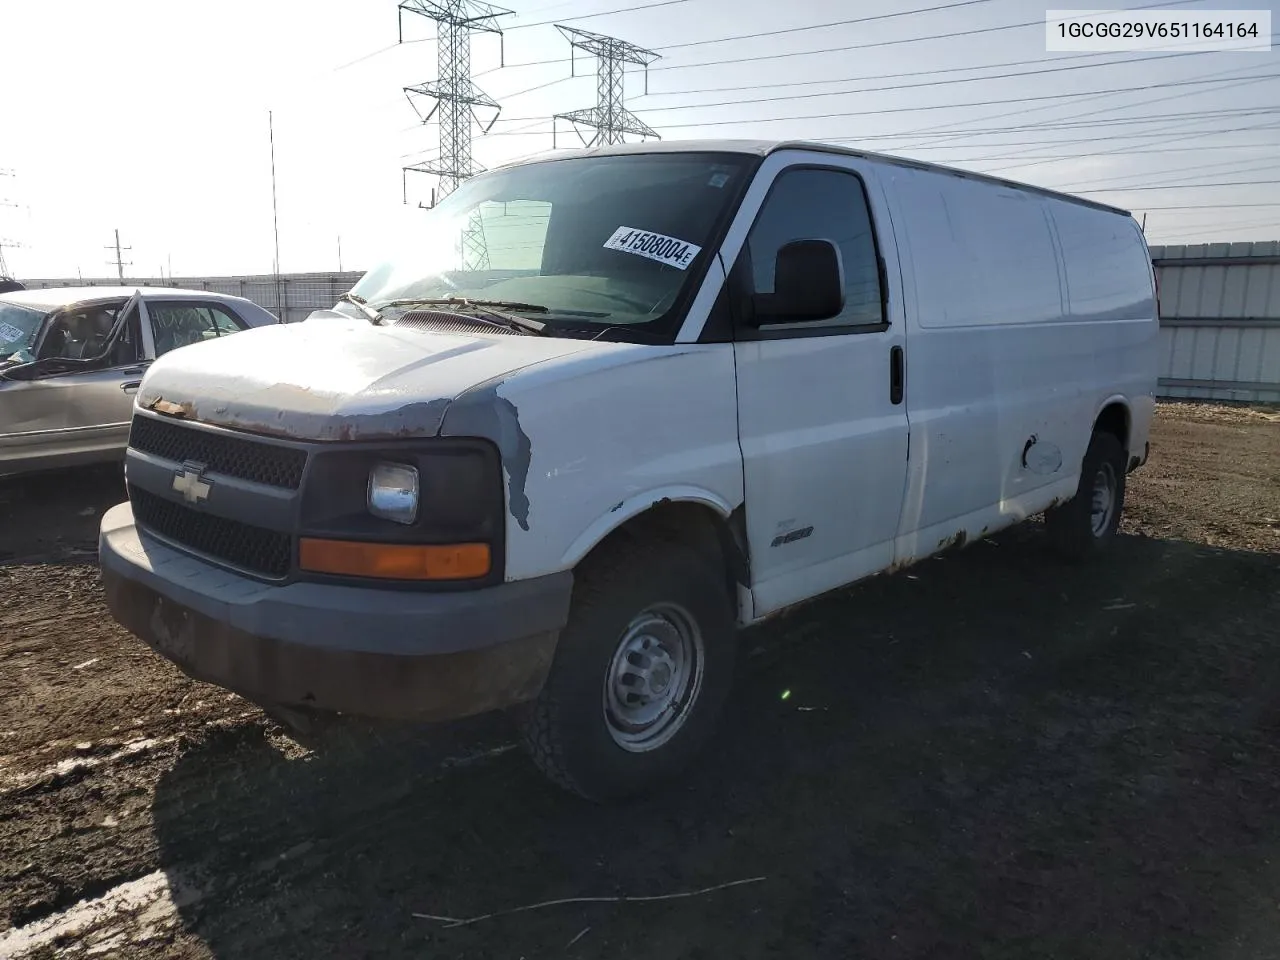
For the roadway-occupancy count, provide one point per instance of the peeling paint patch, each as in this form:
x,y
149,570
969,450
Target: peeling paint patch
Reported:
x,y
168,407
482,413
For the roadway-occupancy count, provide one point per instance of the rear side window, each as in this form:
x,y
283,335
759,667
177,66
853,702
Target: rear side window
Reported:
x,y
182,324
819,204
1107,266
983,254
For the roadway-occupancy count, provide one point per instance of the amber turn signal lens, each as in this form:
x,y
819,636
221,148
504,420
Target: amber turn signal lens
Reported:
x,y
395,561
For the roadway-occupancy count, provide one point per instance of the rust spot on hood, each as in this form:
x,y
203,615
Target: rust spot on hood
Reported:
x,y
169,408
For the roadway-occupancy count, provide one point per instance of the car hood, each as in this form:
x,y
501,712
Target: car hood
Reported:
x,y
336,379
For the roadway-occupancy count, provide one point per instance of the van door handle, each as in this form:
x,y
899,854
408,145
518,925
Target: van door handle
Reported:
x,y
896,375
129,386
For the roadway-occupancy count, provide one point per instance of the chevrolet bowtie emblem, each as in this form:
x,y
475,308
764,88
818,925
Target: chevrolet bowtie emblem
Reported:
x,y
189,482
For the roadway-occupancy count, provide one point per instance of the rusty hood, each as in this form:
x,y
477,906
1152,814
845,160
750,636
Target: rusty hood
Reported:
x,y
336,379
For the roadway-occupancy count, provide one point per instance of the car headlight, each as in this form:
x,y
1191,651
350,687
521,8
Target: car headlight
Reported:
x,y
393,492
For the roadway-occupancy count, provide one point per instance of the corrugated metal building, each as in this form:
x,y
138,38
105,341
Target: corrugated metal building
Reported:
x,y
1220,321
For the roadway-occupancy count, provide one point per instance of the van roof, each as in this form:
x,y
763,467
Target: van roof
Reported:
x,y
762,148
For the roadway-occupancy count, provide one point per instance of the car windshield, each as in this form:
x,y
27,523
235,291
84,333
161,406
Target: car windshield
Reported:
x,y
596,241
19,327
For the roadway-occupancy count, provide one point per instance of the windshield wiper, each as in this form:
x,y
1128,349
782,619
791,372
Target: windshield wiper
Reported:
x,y
466,302
362,305
484,311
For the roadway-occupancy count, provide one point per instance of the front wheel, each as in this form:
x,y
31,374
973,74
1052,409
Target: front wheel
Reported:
x,y
641,671
1085,525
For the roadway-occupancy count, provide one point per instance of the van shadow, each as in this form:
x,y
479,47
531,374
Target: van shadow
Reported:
x,y
991,754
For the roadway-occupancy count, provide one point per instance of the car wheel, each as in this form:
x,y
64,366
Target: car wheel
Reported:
x,y
1085,525
640,674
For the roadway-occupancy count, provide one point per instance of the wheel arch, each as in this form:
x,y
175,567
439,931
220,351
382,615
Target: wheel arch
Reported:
x,y
683,514
1116,418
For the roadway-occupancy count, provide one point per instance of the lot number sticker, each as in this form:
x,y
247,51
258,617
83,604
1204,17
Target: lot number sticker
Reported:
x,y
655,246
9,334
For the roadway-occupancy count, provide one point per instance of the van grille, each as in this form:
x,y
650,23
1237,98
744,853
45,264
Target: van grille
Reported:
x,y
266,463
252,549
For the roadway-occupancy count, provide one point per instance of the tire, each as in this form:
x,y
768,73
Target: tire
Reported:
x,y
636,594
1082,528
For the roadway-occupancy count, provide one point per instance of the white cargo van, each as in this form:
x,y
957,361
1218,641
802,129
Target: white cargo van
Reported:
x,y
601,409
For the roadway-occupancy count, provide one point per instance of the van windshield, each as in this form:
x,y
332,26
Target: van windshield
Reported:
x,y
596,241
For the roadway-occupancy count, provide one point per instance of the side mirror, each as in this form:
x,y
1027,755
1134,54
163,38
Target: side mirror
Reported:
x,y
808,284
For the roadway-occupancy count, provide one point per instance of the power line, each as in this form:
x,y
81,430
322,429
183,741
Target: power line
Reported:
x,y
823,26
1095,112
1204,79
929,73
943,106
1175,139
857,46
1114,91
602,13
1250,165
920,73
950,35
1183,186
1119,151
1215,206
1128,152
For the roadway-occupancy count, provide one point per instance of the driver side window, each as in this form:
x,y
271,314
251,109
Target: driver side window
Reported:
x,y
819,204
84,334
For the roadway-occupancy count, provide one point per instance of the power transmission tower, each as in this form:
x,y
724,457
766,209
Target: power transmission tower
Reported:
x,y
610,118
6,243
455,94
119,261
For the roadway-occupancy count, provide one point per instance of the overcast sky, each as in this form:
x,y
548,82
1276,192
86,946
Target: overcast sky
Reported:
x,y
151,115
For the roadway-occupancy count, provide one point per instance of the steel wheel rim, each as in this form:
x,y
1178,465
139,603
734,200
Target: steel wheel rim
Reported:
x,y
654,678
1103,507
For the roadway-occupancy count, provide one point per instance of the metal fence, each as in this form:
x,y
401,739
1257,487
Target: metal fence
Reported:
x,y
1220,321
1219,326
291,297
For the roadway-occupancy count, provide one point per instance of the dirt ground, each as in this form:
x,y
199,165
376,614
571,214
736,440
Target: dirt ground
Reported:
x,y
989,755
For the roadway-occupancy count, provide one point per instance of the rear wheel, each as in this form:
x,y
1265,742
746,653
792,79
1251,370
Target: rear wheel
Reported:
x,y
1085,525
641,671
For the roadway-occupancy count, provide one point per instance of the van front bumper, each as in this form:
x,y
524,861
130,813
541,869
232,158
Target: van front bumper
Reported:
x,y
360,650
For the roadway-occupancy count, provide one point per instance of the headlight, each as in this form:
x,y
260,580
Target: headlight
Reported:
x,y
393,492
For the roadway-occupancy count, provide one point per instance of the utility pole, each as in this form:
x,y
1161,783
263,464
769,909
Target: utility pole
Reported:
x,y
455,94
339,253
119,261
275,218
281,307
609,117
